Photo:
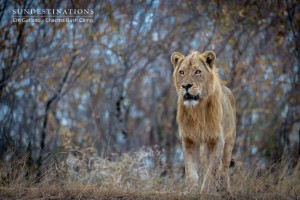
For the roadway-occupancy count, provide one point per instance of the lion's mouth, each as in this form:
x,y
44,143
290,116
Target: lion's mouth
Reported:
x,y
189,97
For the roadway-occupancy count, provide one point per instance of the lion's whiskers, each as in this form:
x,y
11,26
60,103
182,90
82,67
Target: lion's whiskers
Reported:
x,y
181,92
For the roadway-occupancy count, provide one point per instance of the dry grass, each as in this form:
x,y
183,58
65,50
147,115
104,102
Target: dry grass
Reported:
x,y
138,175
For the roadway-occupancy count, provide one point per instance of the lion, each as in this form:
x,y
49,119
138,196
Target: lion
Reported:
x,y
206,117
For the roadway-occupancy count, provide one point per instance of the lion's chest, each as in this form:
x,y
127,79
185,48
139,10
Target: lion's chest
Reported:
x,y
196,127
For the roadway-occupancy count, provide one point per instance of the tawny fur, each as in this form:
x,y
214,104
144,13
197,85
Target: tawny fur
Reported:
x,y
211,122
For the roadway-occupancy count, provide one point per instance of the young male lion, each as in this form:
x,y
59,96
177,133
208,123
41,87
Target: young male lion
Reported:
x,y
206,116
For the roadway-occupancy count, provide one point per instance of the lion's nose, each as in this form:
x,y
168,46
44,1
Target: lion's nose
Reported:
x,y
187,86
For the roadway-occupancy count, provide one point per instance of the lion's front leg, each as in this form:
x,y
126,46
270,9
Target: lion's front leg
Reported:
x,y
215,153
191,159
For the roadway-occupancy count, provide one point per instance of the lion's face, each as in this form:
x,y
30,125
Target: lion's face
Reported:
x,y
192,76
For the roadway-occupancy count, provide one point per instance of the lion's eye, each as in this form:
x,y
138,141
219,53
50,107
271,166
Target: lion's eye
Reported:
x,y
198,72
181,72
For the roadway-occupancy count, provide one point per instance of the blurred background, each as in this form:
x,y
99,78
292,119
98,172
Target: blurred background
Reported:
x,y
107,87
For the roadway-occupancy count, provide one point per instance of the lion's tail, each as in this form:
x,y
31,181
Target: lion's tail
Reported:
x,y
232,163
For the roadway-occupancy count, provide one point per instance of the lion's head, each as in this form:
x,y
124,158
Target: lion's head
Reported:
x,y
193,76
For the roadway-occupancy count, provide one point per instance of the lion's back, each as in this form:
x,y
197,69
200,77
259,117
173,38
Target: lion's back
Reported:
x,y
229,111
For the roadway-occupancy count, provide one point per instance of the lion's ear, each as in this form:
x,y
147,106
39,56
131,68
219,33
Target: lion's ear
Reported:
x,y
176,58
209,57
